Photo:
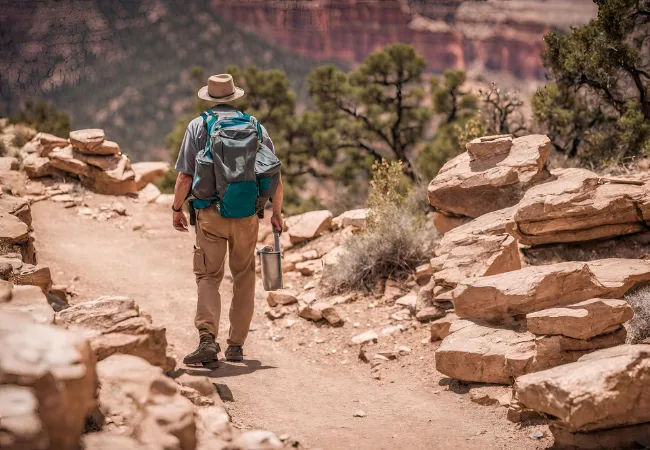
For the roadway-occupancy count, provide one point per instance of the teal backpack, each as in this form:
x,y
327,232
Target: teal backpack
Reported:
x,y
236,171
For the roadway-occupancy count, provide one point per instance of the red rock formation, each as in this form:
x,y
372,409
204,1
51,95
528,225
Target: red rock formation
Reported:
x,y
499,36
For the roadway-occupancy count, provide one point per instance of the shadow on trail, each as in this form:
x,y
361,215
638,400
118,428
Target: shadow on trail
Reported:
x,y
228,369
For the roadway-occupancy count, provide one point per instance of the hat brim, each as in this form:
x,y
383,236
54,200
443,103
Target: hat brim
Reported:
x,y
203,95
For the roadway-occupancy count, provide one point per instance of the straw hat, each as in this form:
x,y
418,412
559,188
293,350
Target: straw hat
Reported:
x,y
220,89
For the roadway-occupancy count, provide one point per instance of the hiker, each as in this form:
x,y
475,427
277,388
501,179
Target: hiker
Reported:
x,y
217,154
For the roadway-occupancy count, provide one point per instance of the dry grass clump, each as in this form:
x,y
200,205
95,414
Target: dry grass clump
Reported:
x,y
397,239
638,329
22,135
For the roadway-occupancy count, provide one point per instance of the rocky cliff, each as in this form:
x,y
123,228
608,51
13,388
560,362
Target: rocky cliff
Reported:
x,y
496,35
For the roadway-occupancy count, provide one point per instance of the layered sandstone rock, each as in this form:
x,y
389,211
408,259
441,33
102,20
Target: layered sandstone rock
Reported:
x,y
38,166
309,225
471,188
58,366
535,288
144,404
582,320
478,248
22,427
115,325
149,172
18,272
352,218
486,354
604,389
445,223
578,206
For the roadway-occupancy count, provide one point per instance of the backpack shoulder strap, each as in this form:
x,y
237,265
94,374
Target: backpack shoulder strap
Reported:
x,y
209,118
258,126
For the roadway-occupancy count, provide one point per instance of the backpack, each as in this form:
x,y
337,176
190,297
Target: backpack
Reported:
x,y
236,171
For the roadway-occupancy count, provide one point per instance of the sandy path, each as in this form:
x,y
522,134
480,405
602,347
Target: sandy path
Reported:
x,y
275,388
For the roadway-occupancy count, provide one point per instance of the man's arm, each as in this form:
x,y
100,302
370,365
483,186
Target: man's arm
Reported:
x,y
276,219
181,190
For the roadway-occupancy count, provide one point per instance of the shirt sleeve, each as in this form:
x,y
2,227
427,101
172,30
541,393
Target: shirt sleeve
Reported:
x,y
187,153
266,139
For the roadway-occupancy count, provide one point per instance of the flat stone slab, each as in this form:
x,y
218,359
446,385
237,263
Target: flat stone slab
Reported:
x,y
579,207
582,320
604,389
309,225
472,188
534,288
485,354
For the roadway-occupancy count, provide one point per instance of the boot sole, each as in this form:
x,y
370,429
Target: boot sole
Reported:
x,y
234,358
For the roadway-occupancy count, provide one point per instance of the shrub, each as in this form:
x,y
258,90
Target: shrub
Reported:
x,y
398,238
3,148
22,135
43,117
638,329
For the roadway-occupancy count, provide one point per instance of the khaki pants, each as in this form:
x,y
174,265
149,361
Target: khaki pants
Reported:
x,y
214,235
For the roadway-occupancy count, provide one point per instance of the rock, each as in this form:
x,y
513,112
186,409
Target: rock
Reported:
x,y
331,258
309,225
489,395
213,421
365,337
518,412
5,291
149,172
24,274
430,313
403,350
440,327
117,326
328,312
57,366
309,268
353,218
393,290
167,200
488,255
359,413
408,301
604,389
22,427
87,140
551,351
626,437
310,313
12,229
423,274
103,162
9,163
444,223
281,297
144,403
119,208
17,206
472,188
486,354
277,312
119,181
44,143
64,159
28,295
577,207
203,385
104,440
257,440
487,147
38,166
535,288
582,320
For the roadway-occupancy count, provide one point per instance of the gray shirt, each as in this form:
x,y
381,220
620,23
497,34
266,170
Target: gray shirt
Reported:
x,y
196,137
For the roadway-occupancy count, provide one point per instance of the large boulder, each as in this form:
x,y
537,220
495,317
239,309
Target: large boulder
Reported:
x,y
471,188
144,404
486,354
604,389
534,288
58,366
579,207
309,225
149,172
21,428
582,320
115,325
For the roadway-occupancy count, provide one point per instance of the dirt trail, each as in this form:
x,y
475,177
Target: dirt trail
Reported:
x,y
276,388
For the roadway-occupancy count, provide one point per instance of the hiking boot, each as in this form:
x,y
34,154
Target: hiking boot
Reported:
x,y
207,351
235,353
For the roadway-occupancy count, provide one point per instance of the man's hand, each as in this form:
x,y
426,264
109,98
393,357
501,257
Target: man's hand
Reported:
x,y
277,223
180,221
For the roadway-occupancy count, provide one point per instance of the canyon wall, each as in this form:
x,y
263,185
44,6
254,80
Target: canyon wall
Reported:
x,y
498,35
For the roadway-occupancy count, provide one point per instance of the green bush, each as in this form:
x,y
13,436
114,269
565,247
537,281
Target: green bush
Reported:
x,y
397,239
43,117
